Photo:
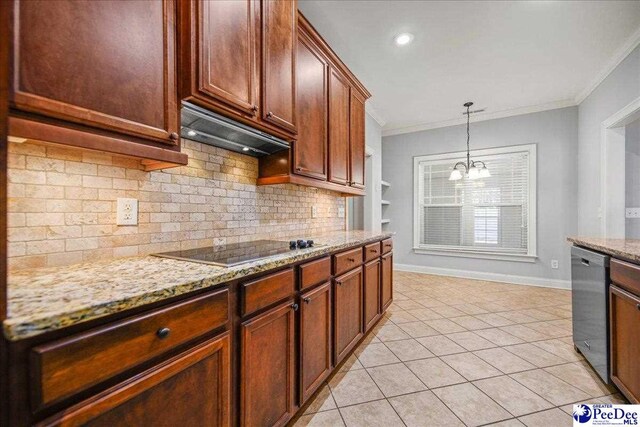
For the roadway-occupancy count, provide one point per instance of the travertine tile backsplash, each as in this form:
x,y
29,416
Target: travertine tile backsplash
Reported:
x,y
62,204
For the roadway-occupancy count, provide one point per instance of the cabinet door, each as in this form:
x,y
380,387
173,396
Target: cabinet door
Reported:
x,y
279,61
348,313
222,52
102,64
387,280
356,143
339,94
190,389
372,304
310,150
315,339
625,342
267,368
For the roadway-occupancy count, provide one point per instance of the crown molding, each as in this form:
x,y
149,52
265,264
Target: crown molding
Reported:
x,y
619,55
368,108
480,117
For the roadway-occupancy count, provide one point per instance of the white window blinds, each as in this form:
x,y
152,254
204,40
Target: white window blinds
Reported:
x,y
494,215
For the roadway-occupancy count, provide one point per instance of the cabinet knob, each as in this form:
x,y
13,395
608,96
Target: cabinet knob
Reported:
x,y
269,114
307,300
162,333
173,136
373,251
298,168
638,306
351,259
295,306
339,283
254,108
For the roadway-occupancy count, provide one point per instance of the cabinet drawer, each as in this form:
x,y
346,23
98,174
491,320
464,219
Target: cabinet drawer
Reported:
x,y
387,245
315,272
70,365
626,275
267,290
347,260
371,251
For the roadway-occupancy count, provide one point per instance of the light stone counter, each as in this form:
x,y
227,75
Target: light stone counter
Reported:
x,y
48,299
625,249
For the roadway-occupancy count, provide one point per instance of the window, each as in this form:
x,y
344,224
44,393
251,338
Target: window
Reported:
x,y
489,217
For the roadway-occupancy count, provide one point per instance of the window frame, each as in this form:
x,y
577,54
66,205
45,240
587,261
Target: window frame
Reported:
x,y
471,252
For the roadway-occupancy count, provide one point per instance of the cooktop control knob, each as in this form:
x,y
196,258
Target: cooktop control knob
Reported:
x,y
293,244
302,244
309,243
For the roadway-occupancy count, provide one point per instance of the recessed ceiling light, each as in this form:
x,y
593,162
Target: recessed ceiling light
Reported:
x,y
192,133
404,39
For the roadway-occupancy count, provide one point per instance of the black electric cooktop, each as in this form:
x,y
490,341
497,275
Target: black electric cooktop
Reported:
x,y
233,254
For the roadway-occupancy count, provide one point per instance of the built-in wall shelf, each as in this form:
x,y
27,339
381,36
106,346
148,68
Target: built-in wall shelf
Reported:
x,y
385,184
385,202
385,221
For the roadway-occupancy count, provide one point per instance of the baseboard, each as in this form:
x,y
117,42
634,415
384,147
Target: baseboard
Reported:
x,y
479,275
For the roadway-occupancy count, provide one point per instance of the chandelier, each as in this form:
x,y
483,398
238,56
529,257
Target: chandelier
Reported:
x,y
473,169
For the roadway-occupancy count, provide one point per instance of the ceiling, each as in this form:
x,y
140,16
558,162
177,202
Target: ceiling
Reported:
x,y
508,57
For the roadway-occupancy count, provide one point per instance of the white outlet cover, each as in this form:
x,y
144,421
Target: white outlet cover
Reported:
x,y
554,263
127,211
632,212
341,212
314,211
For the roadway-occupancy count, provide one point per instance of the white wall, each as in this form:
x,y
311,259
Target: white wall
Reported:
x,y
632,178
615,92
554,132
373,172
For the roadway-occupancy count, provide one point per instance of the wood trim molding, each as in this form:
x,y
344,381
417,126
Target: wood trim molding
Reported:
x,y
310,182
34,130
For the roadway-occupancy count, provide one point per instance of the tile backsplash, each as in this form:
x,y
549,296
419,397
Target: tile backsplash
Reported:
x,y
62,204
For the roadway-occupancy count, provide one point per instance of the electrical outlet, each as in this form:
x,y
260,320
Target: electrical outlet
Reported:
x,y
554,263
314,211
632,212
127,211
341,212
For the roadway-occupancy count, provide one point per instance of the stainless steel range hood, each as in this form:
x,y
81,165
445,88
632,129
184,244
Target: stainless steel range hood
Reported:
x,y
210,128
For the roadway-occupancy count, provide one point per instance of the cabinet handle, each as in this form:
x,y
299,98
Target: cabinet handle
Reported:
x,y
638,306
373,251
295,306
298,168
173,136
269,114
307,300
339,283
351,259
162,333
254,108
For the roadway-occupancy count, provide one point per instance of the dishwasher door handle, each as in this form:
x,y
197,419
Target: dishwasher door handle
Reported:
x,y
585,262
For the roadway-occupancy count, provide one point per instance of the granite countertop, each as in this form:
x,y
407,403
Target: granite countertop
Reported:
x,y
47,299
626,249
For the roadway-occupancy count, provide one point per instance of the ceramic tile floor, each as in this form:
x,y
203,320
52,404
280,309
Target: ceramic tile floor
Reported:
x,y
456,352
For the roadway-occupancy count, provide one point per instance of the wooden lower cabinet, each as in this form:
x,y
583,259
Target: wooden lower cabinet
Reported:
x,y
315,339
386,284
372,306
193,386
267,368
348,324
624,319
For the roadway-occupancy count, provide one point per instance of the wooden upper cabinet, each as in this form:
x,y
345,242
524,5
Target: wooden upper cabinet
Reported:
x,y
310,149
219,55
104,68
279,62
339,104
356,140
195,385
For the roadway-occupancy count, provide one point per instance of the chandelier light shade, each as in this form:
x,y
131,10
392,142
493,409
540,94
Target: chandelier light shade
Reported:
x,y
472,169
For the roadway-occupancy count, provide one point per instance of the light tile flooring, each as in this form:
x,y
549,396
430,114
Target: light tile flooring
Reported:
x,y
455,352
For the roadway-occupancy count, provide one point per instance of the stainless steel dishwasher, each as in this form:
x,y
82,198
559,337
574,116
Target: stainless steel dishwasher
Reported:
x,y
590,300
